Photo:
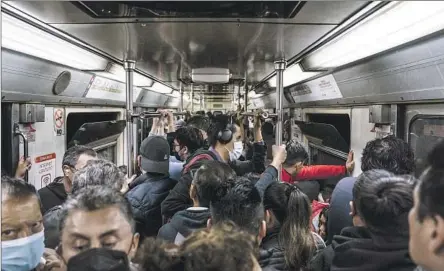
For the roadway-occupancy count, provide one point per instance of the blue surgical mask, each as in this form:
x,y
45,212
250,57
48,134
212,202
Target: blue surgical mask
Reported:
x,y
23,254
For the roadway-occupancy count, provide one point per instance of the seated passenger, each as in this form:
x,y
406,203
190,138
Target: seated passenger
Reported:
x,y
226,146
187,141
289,241
206,183
97,230
379,238
99,173
389,153
426,219
148,190
295,171
56,192
23,247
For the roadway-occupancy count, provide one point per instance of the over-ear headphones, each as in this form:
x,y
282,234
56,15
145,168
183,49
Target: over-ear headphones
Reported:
x,y
226,135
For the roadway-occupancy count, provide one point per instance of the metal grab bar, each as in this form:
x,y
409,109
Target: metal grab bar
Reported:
x,y
146,115
17,132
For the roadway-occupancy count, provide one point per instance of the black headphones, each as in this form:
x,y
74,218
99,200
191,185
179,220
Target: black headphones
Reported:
x,y
226,135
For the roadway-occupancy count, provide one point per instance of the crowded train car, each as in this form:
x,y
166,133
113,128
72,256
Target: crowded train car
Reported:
x,y
222,135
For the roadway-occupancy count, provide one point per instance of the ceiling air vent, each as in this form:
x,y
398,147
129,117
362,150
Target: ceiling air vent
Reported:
x,y
210,75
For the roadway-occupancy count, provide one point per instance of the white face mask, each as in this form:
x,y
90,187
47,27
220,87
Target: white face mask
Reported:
x,y
236,153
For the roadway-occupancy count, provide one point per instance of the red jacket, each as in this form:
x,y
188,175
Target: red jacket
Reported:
x,y
314,173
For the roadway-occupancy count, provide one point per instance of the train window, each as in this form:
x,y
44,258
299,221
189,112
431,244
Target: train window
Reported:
x,y
340,121
424,133
107,153
76,120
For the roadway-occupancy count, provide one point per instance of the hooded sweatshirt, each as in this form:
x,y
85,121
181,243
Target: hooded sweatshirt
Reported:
x,y
359,249
53,194
184,223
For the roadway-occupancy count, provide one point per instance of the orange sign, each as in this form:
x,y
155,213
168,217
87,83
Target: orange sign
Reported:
x,y
45,157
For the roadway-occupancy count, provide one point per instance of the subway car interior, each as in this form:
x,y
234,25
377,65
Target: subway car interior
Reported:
x,y
332,75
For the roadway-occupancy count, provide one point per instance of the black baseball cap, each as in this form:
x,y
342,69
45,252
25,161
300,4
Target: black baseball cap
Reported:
x,y
155,152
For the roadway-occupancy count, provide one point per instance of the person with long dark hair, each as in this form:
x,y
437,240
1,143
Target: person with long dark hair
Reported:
x,y
289,240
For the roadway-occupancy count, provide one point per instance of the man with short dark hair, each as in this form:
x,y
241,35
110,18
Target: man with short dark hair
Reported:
x,y
242,204
426,218
389,153
295,170
379,237
147,192
225,139
97,229
56,192
204,188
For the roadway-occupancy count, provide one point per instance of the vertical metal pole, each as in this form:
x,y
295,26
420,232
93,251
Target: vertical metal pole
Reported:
x,y
279,67
192,98
181,97
246,98
201,101
129,67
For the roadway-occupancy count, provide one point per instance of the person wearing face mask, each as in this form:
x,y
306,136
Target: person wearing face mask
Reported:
x,y
187,142
23,247
97,231
225,139
148,190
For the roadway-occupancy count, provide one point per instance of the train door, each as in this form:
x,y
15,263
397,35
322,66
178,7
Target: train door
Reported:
x,y
42,140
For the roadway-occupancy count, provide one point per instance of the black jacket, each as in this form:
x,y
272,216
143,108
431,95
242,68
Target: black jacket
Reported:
x,y
53,194
183,224
145,196
179,198
359,249
271,255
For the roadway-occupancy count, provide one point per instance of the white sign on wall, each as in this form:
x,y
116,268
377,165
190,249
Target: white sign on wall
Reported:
x,y
102,88
45,168
324,88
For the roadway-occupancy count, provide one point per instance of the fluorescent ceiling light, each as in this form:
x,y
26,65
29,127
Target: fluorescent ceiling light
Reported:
x,y
25,38
293,75
139,80
395,24
160,88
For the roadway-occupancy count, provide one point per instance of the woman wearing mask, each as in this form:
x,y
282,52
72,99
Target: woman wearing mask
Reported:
x,y
289,243
23,247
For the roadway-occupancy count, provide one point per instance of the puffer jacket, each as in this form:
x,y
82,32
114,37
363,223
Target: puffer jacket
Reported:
x,y
145,196
271,254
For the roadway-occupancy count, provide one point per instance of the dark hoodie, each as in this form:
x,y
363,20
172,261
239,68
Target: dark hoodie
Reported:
x,y
183,224
359,249
53,194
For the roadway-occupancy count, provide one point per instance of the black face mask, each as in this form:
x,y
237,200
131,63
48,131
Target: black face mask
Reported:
x,y
176,154
206,145
99,259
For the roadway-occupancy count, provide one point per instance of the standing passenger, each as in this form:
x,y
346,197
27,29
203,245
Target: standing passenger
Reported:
x,y
389,153
56,192
23,247
379,237
225,139
147,192
97,230
426,219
